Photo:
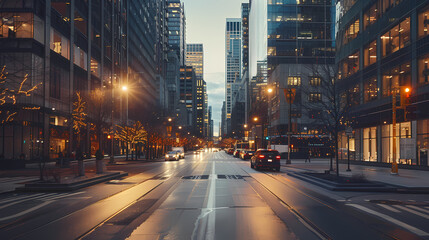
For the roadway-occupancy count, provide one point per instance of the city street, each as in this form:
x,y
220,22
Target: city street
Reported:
x,y
211,196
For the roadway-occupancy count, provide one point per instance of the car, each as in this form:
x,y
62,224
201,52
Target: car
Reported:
x,y
247,154
266,158
172,155
181,151
237,153
230,151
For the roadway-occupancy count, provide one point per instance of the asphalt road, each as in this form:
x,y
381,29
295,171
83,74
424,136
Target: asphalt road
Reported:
x,y
211,196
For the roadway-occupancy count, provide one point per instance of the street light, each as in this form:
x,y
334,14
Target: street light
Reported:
x,y
169,119
124,88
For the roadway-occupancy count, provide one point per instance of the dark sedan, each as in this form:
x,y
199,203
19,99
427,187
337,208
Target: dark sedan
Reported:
x,y
266,158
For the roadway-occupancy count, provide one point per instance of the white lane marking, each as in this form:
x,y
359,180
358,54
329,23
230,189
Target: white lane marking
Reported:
x,y
417,208
414,212
390,219
204,228
389,208
34,198
26,211
60,196
19,197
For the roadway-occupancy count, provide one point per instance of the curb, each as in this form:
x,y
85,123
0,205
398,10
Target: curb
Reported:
x,y
64,187
377,186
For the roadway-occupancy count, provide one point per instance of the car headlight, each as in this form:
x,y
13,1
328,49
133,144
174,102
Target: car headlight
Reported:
x,y
166,156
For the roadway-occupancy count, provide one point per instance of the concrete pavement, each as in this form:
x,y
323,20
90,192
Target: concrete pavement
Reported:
x,y
406,178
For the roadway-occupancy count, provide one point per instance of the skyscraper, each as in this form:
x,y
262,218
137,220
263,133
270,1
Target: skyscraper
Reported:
x,y
195,59
232,65
177,28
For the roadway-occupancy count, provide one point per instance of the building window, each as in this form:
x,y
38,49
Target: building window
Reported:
x,y
371,15
370,54
350,65
403,130
423,70
315,97
60,44
370,90
370,144
395,77
423,23
352,30
354,95
396,38
16,25
315,81
294,81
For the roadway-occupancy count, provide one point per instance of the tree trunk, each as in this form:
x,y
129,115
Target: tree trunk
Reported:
x,y
336,157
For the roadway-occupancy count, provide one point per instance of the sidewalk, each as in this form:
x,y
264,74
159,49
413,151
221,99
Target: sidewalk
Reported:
x,y
406,178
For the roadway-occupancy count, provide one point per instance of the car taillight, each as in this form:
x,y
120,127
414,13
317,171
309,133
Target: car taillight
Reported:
x,y
277,157
261,156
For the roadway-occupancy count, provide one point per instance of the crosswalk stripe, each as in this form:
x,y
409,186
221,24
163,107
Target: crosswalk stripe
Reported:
x,y
58,195
414,212
25,212
389,208
390,219
23,200
19,198
417,208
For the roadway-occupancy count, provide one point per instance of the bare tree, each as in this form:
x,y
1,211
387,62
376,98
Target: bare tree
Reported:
x,y
331,108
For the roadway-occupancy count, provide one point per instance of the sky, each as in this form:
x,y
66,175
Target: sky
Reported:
x,y
205,23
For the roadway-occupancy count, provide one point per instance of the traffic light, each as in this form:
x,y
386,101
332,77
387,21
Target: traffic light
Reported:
x,y
405,94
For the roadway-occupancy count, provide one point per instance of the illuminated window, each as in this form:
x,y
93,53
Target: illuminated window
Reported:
x,y
315,81
395,77
370,54
350,65
424,70
370,90
315,97
352,30
371,15
396,38
294,81
423,23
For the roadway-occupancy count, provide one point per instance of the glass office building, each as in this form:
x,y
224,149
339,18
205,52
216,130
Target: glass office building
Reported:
x,y
383,45
290,32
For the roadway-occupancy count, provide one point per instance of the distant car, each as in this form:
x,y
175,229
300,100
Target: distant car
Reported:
x,y
247,154
230,151
181,151
215,150
266,158
172,155
237,153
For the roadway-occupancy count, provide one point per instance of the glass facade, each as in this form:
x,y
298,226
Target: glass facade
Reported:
x,y
396,54
296,32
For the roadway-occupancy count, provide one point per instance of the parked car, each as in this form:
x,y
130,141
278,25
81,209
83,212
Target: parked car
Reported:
x,y
247,154
172,155
266,158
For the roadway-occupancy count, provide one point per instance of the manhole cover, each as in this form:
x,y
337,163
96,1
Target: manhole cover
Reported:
x,y
221,176
196,177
